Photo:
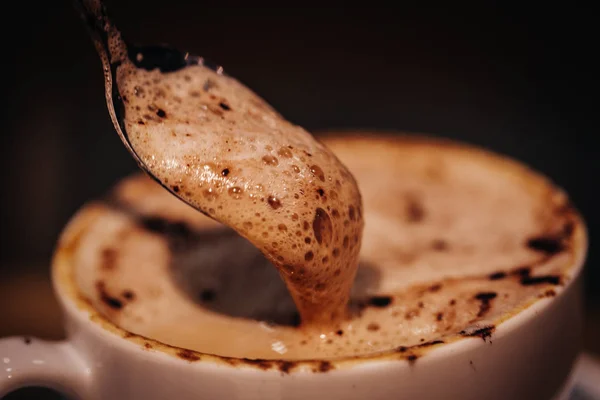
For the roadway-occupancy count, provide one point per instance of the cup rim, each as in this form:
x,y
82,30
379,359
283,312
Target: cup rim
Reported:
x,y
74,304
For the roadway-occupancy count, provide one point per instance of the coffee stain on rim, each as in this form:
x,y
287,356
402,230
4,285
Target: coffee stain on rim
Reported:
x,y
414,352
483,332
188,355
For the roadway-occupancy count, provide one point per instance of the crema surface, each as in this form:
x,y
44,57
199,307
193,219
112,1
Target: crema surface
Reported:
x,y
455,241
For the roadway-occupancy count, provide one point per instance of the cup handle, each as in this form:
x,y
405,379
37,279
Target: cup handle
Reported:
x,y
34,362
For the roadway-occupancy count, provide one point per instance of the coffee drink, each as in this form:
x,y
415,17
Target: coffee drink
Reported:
x,y
255,261
456,241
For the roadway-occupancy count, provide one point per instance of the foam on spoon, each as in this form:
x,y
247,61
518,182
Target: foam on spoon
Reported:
x,y
222,149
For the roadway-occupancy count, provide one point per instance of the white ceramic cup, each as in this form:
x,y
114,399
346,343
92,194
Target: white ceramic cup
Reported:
x,y
529,356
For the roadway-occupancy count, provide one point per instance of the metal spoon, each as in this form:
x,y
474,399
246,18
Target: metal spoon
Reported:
x,y
114,50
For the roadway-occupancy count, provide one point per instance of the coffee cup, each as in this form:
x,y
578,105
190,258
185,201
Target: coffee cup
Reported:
x,y
528,355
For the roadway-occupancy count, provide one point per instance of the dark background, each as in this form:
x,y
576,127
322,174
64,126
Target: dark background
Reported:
x,y
516,80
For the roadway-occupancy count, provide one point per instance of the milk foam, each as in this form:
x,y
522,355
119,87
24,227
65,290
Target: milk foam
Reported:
x,y
455,241
221,148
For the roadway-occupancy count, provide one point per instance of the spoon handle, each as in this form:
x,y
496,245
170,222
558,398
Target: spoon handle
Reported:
x,y
106,37
112,50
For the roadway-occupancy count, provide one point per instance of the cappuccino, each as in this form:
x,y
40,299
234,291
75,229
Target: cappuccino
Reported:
x,y
456,240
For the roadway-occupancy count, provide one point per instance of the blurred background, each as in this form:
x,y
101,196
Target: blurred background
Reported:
x,y
515,80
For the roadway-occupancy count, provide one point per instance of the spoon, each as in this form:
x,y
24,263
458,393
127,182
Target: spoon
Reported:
x,y
114,50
